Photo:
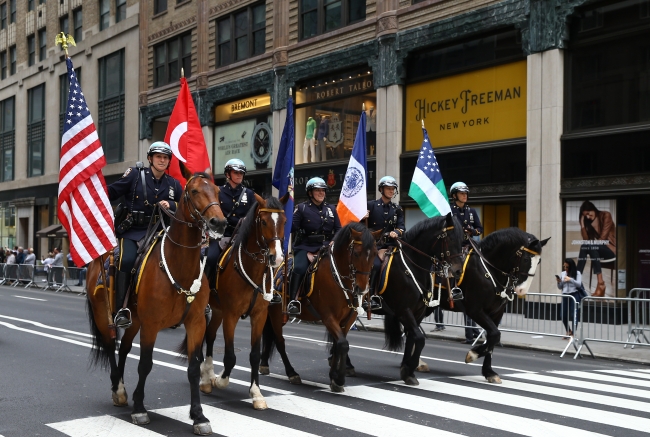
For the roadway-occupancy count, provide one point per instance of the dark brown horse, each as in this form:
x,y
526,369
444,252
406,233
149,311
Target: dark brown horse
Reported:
x,y
177,292
333,295
244,274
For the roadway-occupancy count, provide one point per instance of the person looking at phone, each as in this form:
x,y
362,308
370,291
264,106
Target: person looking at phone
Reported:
x,y
569,281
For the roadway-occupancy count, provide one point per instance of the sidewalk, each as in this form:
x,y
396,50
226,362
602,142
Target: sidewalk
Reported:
x,y
611,351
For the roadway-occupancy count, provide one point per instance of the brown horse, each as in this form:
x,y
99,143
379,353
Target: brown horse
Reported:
x,y
337,289
172,289
244,274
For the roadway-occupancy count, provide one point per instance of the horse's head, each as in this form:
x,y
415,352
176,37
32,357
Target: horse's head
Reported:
x,y
355,246
201,202
529,257
269,221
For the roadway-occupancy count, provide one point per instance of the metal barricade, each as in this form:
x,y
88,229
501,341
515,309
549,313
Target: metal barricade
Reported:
x,y
40,275
609,320
76,277
26,275
638,312
11,274
57,279
2,274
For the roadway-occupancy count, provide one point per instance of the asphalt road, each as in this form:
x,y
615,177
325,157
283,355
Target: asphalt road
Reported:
x,y
47,388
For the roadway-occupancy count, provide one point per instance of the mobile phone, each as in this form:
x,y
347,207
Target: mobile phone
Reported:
x,y
557,277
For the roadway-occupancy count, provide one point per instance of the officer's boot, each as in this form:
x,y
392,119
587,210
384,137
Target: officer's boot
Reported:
x,y
375,300
293,308
123,316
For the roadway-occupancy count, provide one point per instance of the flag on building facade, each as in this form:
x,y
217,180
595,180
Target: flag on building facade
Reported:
x,y
427,187
83,206
185,137
283,172
353,202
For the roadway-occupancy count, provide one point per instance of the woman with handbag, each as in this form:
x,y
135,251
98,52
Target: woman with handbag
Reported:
x,y
570,282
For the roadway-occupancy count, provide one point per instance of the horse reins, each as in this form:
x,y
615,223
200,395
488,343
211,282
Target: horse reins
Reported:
x,y
352,275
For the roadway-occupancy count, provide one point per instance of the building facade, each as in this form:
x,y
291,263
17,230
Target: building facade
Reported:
x,y
33,98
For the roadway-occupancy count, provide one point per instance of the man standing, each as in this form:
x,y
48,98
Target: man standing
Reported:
x,y
20,257
472,226
30,258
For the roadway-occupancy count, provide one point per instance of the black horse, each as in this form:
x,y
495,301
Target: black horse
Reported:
x,y
433,244
502,267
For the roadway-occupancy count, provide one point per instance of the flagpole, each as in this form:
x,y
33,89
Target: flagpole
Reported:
x,y
285,285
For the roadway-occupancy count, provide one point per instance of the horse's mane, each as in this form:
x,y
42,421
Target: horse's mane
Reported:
x,y
503,237
428,226
249,221
342,237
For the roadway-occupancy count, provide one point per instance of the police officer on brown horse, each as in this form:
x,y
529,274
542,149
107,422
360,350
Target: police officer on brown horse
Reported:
x,y
142,189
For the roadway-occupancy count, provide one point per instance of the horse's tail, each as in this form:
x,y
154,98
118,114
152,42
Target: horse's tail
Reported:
x,y
99,354
268,338
393,333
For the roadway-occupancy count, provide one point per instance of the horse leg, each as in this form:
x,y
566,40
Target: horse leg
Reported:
x,y
147,341
208,378
273,335
195,329
340,350
120,396
223,379
485,350
412,350
257,325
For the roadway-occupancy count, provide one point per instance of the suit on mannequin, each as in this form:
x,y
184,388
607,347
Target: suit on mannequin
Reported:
x,y
371,130
323,130
309,141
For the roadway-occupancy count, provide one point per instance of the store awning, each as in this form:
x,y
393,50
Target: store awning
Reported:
x,y
49,231
62,233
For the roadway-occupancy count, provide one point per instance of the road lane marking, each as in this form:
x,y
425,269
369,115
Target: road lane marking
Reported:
x,y
493,420
231,424
626,373
30,298
604,378
102,426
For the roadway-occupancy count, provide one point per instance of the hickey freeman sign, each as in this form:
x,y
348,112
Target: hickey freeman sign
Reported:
x,y
479,106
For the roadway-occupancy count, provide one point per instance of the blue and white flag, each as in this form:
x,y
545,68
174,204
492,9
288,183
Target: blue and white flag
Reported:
x,y
283,172
427,187
353,202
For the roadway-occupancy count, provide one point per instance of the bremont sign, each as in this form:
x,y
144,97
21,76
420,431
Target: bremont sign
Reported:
x,y
479,106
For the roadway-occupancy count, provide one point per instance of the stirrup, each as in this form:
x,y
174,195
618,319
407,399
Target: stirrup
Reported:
x,y
124,312
376,299
457,294
276,299
295,305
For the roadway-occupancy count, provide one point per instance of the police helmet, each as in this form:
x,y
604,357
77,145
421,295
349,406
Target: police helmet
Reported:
x,y
315,183
160,147
459,187
387,181
234,164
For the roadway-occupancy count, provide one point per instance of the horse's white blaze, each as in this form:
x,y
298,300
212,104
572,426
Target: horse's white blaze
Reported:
x,y
279,254
522,288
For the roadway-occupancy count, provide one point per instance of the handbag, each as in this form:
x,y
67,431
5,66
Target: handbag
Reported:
x,y
581,291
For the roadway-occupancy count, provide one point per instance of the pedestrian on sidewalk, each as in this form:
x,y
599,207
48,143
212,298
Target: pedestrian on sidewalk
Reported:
x,y
570,282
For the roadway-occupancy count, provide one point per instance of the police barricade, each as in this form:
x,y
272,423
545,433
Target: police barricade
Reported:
x,y
57,279
40,275
26,275
638,314
11,274
2,274
614,320
76,277
537,314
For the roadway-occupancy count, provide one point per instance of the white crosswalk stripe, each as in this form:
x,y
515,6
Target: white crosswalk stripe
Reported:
x,y
572,406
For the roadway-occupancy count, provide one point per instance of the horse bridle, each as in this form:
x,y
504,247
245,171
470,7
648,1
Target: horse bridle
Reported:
x,y
439,235
352,276
264,249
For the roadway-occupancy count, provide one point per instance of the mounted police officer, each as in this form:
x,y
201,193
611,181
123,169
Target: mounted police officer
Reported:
x,y
315,222
142,189
472,226
386,215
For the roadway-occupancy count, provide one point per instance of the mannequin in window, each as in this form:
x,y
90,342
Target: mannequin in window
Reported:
x,y
323,130
371,130
309,141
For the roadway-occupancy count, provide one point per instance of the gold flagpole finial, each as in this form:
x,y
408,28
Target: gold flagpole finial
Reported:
x,y
182,72
363,106
65,41
290,92
422,123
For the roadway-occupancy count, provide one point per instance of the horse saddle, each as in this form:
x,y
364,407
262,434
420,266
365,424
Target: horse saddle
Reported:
x,y
148,243
386,264
314,262
221,263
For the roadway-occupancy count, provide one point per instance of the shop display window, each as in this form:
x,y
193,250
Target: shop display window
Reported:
x,y
328,112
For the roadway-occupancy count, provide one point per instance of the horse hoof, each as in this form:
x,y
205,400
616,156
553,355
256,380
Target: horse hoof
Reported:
x,y
206,388
422,367
120,397
264,370
140,418
411,380
203,429
471,357
295,379
494,379
220,382
336,388
350,372
260,405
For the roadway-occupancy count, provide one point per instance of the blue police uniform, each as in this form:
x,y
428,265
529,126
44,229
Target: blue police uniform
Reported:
x,y
316,225
388,217
130,186
235,203
468,218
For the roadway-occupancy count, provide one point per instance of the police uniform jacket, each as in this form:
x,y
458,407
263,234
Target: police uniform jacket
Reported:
x,y
232,206
468,218
314,220
130,186
386,216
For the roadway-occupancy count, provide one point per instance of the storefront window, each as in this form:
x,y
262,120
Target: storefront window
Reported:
x,y
243,130
7,225
328,111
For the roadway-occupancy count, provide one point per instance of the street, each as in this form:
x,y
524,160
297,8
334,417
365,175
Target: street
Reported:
x,y
49,390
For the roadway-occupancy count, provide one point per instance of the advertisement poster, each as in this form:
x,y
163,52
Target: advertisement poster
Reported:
x,y
591,242
248,140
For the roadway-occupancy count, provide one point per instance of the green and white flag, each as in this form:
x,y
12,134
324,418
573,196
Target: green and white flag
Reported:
x,y
427,187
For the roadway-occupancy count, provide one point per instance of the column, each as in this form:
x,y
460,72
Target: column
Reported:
x,y
389,133
544,128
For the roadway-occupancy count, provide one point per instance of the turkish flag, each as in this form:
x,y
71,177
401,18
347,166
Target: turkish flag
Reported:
x,y
185,137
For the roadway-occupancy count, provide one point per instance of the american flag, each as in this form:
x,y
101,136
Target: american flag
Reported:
x,y
83,206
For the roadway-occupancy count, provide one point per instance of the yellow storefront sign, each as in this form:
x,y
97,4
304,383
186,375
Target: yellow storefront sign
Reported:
x,y
475,107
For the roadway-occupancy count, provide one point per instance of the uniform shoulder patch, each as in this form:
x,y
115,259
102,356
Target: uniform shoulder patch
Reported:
x,y
127,172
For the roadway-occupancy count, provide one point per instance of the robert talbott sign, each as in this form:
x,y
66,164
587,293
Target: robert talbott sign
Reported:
x,y
474,107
